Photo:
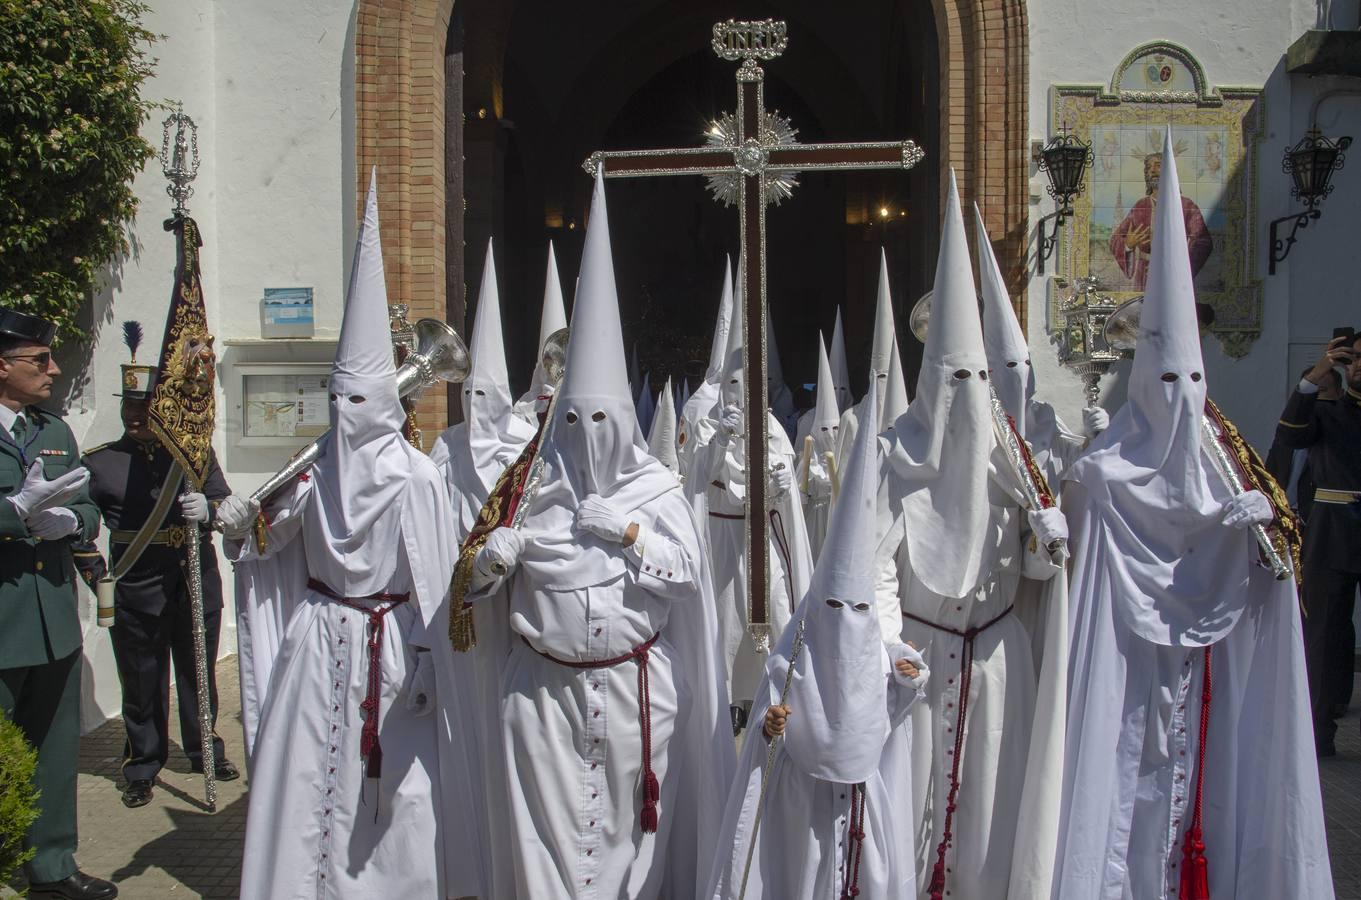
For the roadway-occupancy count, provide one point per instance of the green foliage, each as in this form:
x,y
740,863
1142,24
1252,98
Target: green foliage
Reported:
x,y
71,108
18,797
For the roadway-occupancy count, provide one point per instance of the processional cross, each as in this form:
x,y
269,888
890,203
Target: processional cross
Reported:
x,y
755,155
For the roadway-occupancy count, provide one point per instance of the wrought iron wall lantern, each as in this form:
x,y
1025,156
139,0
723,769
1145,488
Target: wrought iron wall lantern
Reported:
x,y
1310,165
1065,160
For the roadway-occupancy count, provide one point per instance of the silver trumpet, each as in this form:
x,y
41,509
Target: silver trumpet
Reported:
x,y
440,355
1228,472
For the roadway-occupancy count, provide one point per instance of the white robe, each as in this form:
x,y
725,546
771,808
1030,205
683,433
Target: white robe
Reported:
x,y
720,511
1003,819
571,736
801,847
1131,753
478,671
317,827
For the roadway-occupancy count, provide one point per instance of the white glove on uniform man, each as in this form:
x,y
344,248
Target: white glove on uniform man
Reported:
x,y
504,545
38,494
53,524
1248,509
236,515
601,519
194,506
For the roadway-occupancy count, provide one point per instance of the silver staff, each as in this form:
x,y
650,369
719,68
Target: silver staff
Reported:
x,y
201,664
1214,445
554,367
795,651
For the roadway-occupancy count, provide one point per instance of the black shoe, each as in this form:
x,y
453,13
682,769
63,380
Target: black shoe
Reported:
x,y
739,719
1325,748
80,886
1340,710
137,793
223,769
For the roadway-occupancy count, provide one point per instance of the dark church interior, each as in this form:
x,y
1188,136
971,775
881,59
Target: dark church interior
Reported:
x,y
533,88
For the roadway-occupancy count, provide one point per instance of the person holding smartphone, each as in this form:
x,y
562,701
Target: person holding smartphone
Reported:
x,y
1331,431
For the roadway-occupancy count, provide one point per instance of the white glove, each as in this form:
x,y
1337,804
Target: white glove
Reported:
x,y
1095,420
38,494
194,506
1049,526
730,422
899,652
236,515
53,524
781,480
504,546
420,693
601,519
819,483
1248,509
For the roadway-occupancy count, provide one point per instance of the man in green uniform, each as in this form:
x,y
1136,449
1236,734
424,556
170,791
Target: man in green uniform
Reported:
x,y
45,507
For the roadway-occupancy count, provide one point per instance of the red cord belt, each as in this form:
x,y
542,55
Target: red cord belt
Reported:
x,y
936,889
651,789
370,750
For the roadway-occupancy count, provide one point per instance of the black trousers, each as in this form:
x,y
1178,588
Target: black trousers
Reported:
x,y
1329,597
44,701
143,646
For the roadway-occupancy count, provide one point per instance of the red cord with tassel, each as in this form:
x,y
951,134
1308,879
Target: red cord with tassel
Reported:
x,y
1195,872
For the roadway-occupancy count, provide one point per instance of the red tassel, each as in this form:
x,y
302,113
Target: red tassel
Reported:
x,y
936,889
651,789
1195,872
649,817
373,761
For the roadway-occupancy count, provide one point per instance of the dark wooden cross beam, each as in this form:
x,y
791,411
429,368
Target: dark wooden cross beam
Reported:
x,y
754,157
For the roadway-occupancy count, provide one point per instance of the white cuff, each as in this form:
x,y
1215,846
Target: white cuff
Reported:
x,y
1307,387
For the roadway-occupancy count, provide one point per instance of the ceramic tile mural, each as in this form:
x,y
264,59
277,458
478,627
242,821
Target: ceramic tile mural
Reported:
x,y
1215,133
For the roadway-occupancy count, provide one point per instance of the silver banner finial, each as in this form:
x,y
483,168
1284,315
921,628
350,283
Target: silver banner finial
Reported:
x,y
179,156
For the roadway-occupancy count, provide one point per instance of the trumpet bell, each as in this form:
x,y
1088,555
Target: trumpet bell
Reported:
x,y
1122,326
440,355
920,317
554,358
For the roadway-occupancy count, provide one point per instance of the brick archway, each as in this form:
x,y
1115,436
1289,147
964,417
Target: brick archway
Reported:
x,y
400,128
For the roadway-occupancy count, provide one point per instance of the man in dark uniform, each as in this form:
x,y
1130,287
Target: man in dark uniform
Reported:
x,y
45,507
1331,431
152,621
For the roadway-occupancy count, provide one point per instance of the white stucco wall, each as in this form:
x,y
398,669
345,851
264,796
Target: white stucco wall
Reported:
x,y
1238,44
271,87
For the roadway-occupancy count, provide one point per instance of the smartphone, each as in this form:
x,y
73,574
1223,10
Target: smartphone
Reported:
x,y
1345,331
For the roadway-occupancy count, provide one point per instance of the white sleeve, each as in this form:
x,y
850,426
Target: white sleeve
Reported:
x,y
888,604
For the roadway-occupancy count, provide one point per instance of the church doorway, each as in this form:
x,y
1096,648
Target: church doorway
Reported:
x,y
549,86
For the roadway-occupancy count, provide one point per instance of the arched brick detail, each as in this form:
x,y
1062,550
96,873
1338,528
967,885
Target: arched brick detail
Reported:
x,y
984,121
399,127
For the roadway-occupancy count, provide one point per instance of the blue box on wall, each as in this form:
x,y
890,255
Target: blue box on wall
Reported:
x,y
286,313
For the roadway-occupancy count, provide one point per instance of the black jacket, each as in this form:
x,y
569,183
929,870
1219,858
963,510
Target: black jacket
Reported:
x,y
1331,431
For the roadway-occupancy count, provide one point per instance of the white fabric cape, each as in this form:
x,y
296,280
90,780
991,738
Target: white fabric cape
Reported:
x,y
1263,831
725,543
284,659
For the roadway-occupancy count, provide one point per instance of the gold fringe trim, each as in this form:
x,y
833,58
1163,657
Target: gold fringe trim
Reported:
x,y
261,533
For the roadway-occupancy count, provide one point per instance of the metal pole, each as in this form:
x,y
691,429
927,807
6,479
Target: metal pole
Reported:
x,y
201,663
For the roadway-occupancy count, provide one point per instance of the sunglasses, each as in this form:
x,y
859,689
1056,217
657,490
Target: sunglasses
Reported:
x,y
41,360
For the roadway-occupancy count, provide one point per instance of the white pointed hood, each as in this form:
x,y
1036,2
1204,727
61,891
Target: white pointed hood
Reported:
x,y
552,317
841,373
361,473
885,334
1013,379
661,439
826,417
1177,572
895,393
644,404
732,382
489,421
839,690
939,449
884,350
596,446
